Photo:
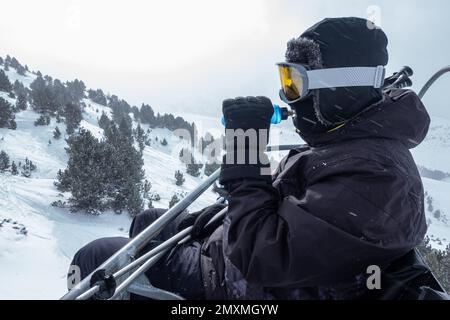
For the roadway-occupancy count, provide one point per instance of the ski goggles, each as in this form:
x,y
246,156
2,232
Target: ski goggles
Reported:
x,y
297,80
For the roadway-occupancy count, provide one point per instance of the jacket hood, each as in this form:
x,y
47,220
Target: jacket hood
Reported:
x,y
337,43
400,116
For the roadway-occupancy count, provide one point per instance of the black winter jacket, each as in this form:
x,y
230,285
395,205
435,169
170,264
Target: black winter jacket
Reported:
x,y
350,199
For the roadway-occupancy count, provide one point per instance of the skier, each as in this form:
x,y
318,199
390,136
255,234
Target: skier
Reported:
x,y
349,199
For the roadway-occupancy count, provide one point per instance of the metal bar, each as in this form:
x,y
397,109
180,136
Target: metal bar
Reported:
x,y
89,293
432,80
128,281
163,246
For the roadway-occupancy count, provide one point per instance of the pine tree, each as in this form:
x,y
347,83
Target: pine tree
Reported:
x,y
43,120
4,161
155,197
136,114
32,165
179,178
140,137
126,170
75,91
103,174
14,170
147,115
205,141
147,188
104,121
27,168
56,133
63,181
125,127
13,124
193,168
21,103
16,65
85,176
19,88
97,96
175,199
72,113
164,142
5,85
40,95
120,109
134,203
438,261
185,155
6,114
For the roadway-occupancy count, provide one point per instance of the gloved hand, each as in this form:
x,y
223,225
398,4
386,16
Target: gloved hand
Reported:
x,y
245,156
199,220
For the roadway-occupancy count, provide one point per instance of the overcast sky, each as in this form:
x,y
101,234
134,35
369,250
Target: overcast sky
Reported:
x,y
192,54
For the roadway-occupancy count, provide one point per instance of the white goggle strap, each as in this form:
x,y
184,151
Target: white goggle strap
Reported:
x,y
346,77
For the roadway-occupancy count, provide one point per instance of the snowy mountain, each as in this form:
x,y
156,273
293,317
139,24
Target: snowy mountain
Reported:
x,y
38,240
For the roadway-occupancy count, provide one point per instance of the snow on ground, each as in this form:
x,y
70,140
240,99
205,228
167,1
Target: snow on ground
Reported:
x,y
434,152
34,266
37,241
26,79
438,228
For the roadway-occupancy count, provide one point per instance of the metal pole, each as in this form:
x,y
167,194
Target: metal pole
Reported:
x,y
89,293
432,80
163,246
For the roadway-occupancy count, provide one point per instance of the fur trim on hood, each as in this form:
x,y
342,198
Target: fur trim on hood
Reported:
x,y
305,51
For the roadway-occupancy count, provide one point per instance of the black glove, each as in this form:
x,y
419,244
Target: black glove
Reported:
x,y
246,160
199,220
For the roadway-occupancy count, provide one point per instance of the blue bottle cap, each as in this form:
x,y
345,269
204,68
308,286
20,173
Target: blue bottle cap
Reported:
x,y
277,116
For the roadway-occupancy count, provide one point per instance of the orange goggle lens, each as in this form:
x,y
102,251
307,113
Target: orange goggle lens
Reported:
x,y
291,82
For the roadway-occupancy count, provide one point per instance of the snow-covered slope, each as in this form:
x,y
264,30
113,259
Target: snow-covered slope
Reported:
x,y
37,241
434,152
438,225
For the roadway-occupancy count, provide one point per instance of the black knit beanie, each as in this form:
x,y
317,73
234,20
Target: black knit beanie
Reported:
x,y
334,43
